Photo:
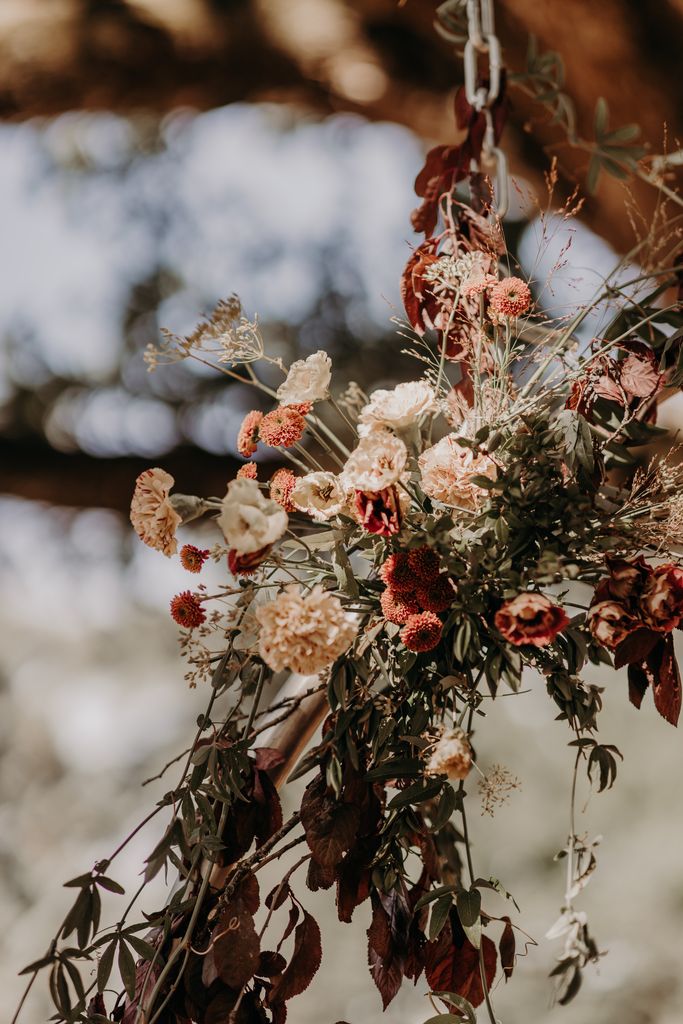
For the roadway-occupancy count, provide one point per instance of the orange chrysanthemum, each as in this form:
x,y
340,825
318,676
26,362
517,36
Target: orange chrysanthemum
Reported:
x,y
421,632
436,596
303,408
248,470
249,433
425,563
397,573
282,427
398,607
510,297
186,609
193,558
281,484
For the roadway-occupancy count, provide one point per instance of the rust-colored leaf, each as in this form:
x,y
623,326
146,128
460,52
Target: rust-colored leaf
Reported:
x,y
236,946
330,825
386,963
666,681
506,947
452,963
304,962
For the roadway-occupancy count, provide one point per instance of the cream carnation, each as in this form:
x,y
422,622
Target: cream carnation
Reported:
x,y
451,755
153,517
304,632
447,469
398,408
320,495
307,380
249,520
377,462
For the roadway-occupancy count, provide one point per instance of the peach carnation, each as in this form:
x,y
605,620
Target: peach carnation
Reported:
x,y
398,607
447,469
282,427
510,297
152,513
451,755
192,558
305,633
421,632
280,488
377,463
247,436
248,471
530,618
186,609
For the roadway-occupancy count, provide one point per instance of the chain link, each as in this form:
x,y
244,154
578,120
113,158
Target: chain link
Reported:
x,y
482,39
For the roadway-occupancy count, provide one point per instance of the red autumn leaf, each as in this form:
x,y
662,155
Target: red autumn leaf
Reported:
x,y
267,807
319,876
506,947
636,647
330,825
267,758
638,683
453,963
304,962
270,964
666,684
235,945
386,964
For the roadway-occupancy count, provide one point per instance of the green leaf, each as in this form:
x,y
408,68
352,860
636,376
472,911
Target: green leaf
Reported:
x,y
141,947
126,964
445,809
601,117
435,894
468,902
439,916
593,174
105,965
460,1002
110,885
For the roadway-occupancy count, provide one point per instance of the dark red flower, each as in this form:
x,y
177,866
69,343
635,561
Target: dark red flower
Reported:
x,y
530,618
186,609
436,596
245,565
379,512
661,602
397,573
398,607
422,632
193,558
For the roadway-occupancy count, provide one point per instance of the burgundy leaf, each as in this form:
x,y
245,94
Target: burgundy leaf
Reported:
x,y
638,683
268,809
453,963
270,964
267,758
304,962
330,826
386,964
319,876
236,946
507,948
666,681
636,647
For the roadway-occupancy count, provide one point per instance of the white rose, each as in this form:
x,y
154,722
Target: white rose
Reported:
x,y
321,495
307,380
398,408
249,520
377,462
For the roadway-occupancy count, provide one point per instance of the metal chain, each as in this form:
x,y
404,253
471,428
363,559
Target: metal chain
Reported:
x,y
482,39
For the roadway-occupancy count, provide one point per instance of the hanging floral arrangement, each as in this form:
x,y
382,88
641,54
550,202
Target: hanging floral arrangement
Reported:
x,y
419,550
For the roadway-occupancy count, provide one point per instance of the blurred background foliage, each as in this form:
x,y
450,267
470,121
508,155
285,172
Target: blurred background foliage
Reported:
x,y
156,156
